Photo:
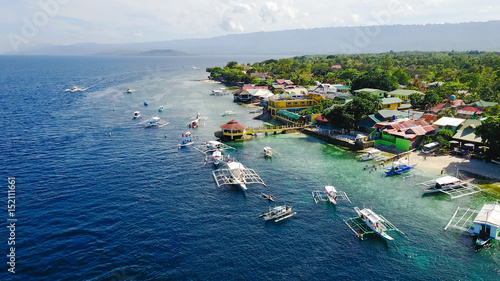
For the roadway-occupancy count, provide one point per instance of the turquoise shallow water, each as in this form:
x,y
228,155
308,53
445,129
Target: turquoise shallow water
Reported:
x,y
131,205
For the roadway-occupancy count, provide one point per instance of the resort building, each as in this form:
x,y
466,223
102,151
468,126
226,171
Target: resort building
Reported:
x,y
293,103
231,130
448,123
249,95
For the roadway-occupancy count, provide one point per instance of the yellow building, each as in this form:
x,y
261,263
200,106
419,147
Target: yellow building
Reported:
x,y
292,102
391,103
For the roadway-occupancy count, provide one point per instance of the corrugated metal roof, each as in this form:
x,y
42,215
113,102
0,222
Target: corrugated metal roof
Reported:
x,y
288,114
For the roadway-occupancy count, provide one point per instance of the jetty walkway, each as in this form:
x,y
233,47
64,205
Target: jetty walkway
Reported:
x,y
273,129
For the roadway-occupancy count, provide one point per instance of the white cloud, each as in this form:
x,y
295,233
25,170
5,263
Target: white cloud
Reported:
x,y
108,21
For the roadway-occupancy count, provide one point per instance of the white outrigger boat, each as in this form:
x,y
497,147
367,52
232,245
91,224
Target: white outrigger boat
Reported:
x,y
228,113
236,174
278,213
452,186
216,147
269,152
136,115
369,222
195,122
155,121
269,197
485,224
371,154
330,195
75,89
220,92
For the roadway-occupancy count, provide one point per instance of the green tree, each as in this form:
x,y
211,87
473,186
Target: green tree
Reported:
x,y
416,100
489,131
377,79
430,99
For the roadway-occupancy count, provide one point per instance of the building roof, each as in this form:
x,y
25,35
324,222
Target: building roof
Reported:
x,y
288,114
483,103
403,93
386,101
469,110
336,67
386,113
280,81
342,87
466,131
449,121
233,125
261,93
369,121
407,128
412,114
429,118
489,214
370,90
404,106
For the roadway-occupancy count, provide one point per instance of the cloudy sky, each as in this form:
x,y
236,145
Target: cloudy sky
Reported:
x,y
32,22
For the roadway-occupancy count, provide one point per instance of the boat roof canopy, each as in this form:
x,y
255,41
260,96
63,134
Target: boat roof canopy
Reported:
x,y
330,188
370,215
489,215
446,180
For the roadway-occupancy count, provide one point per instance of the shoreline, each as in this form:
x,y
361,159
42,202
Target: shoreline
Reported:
x,y
448,164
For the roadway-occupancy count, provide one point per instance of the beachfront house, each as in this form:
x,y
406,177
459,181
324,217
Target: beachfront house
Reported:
x,y
448,123
403,134
465,133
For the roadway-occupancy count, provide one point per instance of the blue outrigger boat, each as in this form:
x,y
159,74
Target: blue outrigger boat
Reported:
x,y
398,169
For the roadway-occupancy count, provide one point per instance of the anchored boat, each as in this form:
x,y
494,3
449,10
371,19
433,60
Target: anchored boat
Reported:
x,y
369,222
187,139
485,223
236,174
155,121
136,115
452,186
278,213
399,168
330,195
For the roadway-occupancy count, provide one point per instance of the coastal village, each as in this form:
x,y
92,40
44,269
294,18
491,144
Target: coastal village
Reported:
x,y
389,135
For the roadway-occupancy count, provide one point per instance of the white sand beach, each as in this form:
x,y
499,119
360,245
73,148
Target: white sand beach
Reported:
x,y
449,164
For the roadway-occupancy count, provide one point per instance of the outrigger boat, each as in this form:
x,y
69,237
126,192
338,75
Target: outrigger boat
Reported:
x,y
369,222
161,108
278,213
195,122
269,152
129,91
485,224
155,121
228,113
371,154
75,89
137,114
330,195
269,197
452,186
187,139
216,147
236,174
399,168
217,157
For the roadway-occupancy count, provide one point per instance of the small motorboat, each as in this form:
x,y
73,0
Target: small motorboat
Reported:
x,y
228,113
269,197
145,103
75,89
161,108
129,91
137,114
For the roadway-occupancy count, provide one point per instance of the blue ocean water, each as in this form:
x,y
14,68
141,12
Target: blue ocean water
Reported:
x,y
99,197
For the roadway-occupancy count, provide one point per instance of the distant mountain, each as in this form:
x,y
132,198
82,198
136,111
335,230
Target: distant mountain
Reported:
x,y
139,53
482,36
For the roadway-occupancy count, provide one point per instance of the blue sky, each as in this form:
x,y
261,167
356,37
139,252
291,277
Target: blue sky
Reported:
x,y
25,23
